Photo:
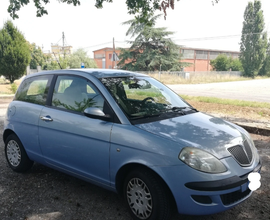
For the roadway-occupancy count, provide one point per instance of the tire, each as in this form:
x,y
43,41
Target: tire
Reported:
x,y
146,196
15,154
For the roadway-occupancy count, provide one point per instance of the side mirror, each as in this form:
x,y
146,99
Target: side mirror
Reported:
x,y
93,112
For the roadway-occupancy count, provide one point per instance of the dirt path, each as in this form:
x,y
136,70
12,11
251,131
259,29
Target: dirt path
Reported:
x,y
250,113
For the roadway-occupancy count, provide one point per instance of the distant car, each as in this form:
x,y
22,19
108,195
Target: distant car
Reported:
x,y
129,133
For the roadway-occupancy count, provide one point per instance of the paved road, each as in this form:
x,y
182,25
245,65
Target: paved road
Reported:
x,y
250,90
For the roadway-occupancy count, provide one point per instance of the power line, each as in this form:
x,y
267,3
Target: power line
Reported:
x,y
110,42
187,39
217,37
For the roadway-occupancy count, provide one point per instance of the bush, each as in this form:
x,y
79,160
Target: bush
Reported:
x,y
13,88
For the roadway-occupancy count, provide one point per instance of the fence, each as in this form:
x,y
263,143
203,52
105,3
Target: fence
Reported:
x,y
189,74
29,71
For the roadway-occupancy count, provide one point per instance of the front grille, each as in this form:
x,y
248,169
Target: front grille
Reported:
x,y
233,197
248,150
242,153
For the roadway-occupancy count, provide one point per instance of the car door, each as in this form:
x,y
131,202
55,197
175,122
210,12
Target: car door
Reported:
x,y
23,113
69,140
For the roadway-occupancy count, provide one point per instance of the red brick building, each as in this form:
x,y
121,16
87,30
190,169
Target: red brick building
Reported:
x,y
199,59
103,58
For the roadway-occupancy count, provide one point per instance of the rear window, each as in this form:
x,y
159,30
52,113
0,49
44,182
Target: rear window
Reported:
x,y
34,90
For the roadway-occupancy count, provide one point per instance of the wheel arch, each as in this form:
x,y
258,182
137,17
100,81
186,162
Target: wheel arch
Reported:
x,y
8,132
124,170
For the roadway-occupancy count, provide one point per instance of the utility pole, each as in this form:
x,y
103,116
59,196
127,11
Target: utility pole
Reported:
x,y
113,54
63,47
63,38
114,57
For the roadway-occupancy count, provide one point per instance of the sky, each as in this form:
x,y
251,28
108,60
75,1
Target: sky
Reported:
x,y
195,23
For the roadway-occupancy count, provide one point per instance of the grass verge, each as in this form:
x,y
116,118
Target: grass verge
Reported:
x,y
232,102
199,78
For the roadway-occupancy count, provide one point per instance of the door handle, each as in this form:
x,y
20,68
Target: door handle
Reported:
x,y
46,118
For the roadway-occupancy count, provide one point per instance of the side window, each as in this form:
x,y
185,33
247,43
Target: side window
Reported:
x,y
76,94
34,90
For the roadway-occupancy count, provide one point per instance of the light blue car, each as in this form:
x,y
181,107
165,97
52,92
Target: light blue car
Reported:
x,y
129,133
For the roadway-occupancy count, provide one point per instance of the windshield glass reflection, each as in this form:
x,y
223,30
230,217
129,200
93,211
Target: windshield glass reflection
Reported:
x,y
145,97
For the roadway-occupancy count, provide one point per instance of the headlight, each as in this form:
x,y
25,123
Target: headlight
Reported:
x,y
201,160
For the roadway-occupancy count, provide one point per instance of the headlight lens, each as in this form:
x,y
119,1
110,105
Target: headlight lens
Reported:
x,y
201,160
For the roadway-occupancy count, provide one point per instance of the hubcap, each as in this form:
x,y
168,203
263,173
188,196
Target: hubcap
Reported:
x,y
139,198
13,153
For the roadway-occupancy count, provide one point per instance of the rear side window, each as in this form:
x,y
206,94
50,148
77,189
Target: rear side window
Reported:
x,y
34,90
76,94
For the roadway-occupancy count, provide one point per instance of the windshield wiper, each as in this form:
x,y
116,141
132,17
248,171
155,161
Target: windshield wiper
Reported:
x,y
145,116
177,109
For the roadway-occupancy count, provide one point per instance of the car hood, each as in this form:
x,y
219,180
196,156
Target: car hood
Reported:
x,y
196,130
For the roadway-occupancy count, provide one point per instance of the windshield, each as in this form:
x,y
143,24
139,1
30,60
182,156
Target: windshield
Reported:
x,y
145,97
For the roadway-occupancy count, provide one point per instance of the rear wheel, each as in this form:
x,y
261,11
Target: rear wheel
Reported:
x,y
146,196
16,155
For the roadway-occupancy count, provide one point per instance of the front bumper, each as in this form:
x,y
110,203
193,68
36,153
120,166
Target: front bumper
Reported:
x,y
209,197
224,184
238,185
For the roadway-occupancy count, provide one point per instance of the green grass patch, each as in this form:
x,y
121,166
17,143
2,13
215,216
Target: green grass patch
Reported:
x,y
13,88
232,102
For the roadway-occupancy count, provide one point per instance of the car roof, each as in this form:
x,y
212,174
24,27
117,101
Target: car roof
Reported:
x,y
98,73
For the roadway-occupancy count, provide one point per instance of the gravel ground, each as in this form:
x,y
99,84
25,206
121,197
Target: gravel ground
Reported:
x,y
46,194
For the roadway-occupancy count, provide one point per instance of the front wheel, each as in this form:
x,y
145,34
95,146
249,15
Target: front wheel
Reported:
x,y
15,154
146,196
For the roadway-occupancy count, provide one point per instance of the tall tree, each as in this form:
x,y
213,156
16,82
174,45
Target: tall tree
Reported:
x,y
15,54
253,41
265,70
142,9
151,50
135,28
80,56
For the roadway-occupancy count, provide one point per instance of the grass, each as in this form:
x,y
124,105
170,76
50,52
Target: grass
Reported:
x,y
6,88
232,102
198,78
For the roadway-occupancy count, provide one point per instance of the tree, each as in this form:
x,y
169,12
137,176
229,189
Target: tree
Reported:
x,y
225,63
70,61
143,9
235,64
135,27
14,52
265,70
37,57
253,41
220,63
151,50
80,56
55,63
